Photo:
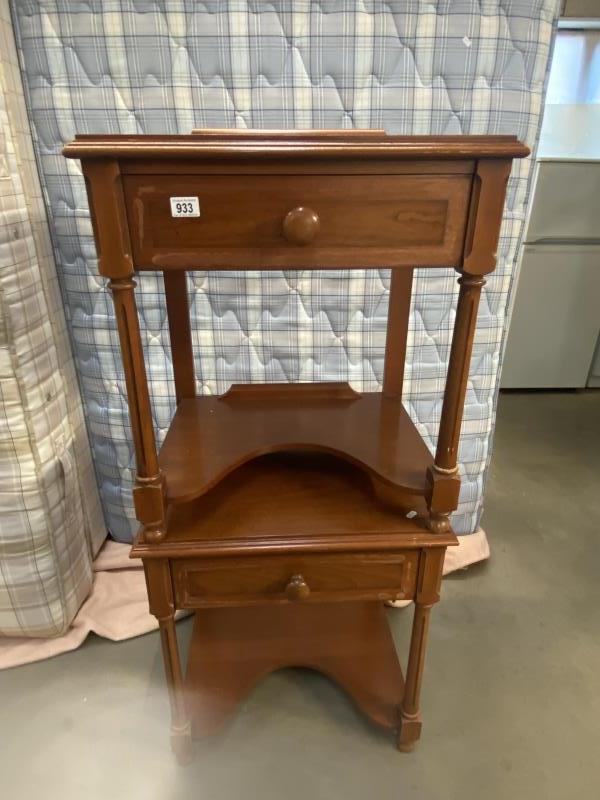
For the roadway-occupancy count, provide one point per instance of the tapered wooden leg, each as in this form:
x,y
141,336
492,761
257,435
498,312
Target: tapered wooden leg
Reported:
x,y
181,732
410,718
428,588
160,598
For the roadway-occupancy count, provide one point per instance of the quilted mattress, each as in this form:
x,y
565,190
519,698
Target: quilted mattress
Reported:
x,y
51,522
148,66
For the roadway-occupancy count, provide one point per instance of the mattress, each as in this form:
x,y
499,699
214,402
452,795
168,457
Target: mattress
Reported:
x,y
411,67
51,522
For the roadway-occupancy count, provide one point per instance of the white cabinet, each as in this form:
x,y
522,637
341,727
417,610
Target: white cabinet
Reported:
x,y
566,203
594,379
555,320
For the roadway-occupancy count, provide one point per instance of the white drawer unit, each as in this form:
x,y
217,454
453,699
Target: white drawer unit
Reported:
x,y
555,321
556,318
566,203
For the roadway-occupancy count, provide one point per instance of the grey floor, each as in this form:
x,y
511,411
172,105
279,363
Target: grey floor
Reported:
x,y
512,687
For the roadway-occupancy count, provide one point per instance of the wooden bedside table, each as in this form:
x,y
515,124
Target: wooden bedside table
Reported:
x,y
286,515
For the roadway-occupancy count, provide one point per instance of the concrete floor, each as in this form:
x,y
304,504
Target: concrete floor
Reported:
x,y
511,699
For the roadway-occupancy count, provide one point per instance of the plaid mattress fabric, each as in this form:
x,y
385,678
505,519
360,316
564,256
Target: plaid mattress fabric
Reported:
x,y
142,66
51,522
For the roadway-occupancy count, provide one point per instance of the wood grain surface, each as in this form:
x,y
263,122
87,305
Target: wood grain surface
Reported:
x,y
363,220
232,649
211,436
286,515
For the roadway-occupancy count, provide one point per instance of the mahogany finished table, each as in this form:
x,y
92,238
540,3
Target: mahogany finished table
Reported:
x,y
287,514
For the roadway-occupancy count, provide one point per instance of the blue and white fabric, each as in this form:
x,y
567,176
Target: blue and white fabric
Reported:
x,y
152,66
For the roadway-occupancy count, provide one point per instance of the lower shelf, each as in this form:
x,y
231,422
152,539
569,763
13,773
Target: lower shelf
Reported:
x,y
291,503
234,648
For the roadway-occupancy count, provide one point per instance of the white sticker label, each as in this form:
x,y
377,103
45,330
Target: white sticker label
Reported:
x,y
185,207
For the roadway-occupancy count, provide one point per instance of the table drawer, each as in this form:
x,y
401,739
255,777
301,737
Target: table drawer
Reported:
x,y
295,221
243,581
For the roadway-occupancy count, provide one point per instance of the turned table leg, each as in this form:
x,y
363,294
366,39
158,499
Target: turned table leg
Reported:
x,y
410,717
428,586
181,731
162,606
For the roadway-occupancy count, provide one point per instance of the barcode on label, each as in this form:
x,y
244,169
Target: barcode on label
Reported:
x,y
185,207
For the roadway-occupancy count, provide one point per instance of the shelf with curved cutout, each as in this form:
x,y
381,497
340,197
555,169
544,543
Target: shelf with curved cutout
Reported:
x,y
210,437
354,648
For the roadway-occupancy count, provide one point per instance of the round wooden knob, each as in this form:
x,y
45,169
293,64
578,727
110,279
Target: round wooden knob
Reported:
x,y
301,225
297,588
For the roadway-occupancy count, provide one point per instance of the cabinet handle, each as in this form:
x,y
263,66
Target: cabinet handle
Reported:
x,y
301,225
297,588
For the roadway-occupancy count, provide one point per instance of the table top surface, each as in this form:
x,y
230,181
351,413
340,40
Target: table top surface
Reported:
x,y
330,144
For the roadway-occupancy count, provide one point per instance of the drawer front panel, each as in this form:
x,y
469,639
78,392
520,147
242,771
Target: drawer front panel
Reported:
x,y
243,581
344,220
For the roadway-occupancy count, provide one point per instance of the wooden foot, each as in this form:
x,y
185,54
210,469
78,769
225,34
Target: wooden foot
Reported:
x,y
409,733
233,648
181,744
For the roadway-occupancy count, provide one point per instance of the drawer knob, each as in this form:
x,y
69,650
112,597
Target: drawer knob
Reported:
x,y
297,588
301,225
